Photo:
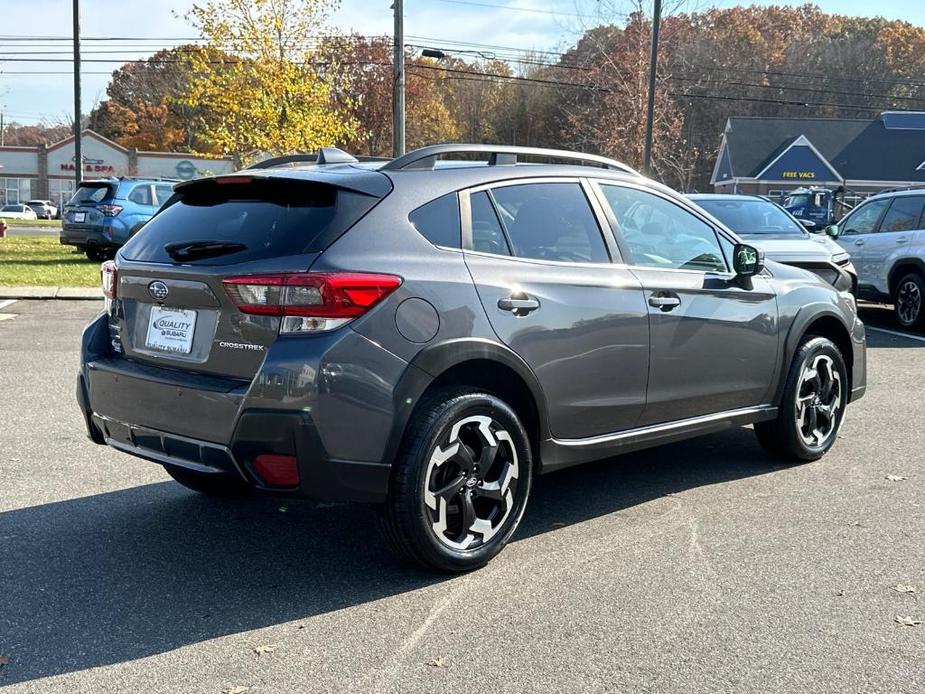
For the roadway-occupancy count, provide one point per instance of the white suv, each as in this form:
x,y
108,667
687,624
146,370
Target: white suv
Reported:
x,y
886,238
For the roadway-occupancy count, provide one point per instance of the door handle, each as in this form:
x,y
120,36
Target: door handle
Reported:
x,y
519,306
902,239
665,303
859,242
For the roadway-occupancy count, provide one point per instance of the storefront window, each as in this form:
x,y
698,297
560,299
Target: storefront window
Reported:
x,y
60,191
15,190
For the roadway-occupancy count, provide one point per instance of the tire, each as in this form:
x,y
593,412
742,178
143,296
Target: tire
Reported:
x,y
96,254
209,483
909,301
473,440
813,405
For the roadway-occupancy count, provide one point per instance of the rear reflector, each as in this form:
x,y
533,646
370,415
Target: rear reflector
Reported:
x,y
277,470
310,301
109,277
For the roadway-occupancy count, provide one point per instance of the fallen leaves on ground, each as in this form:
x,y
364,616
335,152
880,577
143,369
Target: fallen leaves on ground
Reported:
x,y
907,621
439,661
268,648
904,588
895,478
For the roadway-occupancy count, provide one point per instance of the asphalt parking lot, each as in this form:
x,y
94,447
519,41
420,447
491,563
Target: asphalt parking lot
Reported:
x,y
696,567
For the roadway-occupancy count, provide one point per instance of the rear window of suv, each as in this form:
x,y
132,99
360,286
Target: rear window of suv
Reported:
x,y
266,218
91,193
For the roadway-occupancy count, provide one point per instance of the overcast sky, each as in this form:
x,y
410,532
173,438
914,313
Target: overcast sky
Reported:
x,y
523,24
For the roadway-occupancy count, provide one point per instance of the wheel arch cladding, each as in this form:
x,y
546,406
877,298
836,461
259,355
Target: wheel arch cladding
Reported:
x,y
903,267
480,365
831,328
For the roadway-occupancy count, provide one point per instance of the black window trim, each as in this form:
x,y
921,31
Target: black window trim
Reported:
x,y
613,251
720,232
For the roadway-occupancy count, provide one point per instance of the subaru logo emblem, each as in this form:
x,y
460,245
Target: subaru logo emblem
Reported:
x,y
158,290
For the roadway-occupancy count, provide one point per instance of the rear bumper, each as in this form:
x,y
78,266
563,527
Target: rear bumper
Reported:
x,y
85,237
338,427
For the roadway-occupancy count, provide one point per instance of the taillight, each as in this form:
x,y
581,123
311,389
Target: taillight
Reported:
x,y
312,301
109,210
109,276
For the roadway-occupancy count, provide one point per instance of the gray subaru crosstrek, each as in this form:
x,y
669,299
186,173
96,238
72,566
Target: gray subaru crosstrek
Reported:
x,y
429,333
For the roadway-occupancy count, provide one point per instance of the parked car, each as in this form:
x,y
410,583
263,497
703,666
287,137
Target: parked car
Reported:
x,y
17,211
44,209
886,238
427,336
104,214
782,237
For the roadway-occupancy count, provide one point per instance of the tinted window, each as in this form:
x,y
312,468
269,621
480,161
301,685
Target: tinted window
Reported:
x,y
551,221
863,220
270,218
11,208
163,193
141,195
487,234
662,234
903,214
751,216
438,221
91,193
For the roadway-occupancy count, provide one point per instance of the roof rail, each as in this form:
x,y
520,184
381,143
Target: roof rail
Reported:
x,y
425,158
914,186
324,155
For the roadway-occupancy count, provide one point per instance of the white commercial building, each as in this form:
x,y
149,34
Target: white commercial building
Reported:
x,y
47,171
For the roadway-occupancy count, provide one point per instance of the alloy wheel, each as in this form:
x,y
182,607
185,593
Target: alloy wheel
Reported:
x,y
470,485
908,302
818,403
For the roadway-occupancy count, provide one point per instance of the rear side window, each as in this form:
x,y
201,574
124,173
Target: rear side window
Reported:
x,y
91,193
438,221
268,218
141,195
163,193
551,221
904,214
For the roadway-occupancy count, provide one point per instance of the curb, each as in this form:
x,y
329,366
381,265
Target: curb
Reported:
x,y
51,293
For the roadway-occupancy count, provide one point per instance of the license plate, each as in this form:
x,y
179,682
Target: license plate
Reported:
x,y
80,217
171,330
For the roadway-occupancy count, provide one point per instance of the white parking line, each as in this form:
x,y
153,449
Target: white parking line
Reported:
x,y
4,304
897,333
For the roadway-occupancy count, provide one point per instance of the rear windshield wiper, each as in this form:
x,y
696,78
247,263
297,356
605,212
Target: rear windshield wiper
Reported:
x,y
190,250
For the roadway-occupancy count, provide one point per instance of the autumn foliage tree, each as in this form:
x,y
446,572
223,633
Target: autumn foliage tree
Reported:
x,y
263,82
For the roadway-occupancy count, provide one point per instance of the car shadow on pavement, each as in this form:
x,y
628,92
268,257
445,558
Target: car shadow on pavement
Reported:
x,y
128,574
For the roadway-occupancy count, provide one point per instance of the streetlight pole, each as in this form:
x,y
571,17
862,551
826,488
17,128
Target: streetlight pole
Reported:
x,y
78,154
398,85
650,106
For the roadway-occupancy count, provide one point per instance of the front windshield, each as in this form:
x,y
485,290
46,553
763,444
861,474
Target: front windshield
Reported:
x,y
797,200
751,216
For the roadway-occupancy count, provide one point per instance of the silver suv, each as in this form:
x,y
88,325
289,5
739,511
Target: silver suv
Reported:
x,y
886,238
426,336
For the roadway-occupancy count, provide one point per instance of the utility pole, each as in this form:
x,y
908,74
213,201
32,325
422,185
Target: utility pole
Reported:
x,y
2,131
650,106
398,86
78,154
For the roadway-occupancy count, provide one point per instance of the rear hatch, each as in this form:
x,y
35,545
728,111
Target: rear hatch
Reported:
x,y
172,308
88,207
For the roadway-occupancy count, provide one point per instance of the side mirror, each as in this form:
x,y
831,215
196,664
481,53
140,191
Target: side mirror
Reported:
x,y
832,230
747,260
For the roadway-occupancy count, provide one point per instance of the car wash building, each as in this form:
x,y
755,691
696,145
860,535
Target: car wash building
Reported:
x,y
46,172
770,156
